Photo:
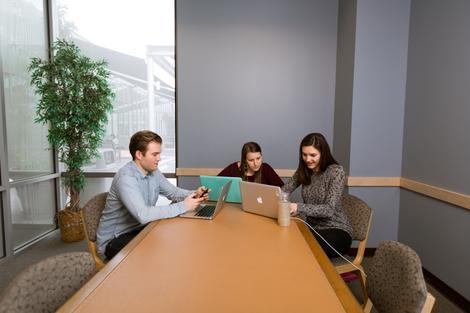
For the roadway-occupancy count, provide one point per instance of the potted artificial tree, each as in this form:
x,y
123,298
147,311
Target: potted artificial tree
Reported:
x,y
74,100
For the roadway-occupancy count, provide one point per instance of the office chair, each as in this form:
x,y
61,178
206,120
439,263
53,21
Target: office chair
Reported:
x,y
360,217
91,214
45,286
395,282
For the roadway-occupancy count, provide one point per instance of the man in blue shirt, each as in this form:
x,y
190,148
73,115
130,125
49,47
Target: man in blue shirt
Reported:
x,y
134,192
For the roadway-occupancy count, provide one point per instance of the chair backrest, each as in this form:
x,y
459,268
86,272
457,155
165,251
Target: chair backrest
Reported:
x,y
92,213
359,215
395,281
45,286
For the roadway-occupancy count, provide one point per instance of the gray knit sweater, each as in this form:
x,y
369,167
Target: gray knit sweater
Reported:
x,y
322,199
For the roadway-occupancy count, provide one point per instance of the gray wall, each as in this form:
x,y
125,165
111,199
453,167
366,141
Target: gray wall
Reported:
x,y
292,63
437,141
344,81
378,107
379,87
259,70
265,70
385,202
436,145
439,233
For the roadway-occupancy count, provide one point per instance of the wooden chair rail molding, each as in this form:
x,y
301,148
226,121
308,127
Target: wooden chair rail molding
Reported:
x,y
455,198
452,197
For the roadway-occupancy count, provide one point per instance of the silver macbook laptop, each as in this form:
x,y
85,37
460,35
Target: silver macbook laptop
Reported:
x,y
260,199
206,211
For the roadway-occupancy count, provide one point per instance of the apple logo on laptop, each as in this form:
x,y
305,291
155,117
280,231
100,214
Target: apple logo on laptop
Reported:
x,y
259,200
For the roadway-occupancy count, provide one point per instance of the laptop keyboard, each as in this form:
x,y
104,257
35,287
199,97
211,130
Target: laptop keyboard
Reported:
x,y
206,211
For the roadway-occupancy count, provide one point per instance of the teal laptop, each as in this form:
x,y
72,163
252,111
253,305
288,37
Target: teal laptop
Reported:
x,y
215,183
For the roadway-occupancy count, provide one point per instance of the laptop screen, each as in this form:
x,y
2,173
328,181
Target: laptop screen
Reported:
x,y
215,183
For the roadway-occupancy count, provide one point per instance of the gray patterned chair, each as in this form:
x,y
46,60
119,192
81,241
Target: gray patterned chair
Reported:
x,y
45,286
395,282
91,214
360,217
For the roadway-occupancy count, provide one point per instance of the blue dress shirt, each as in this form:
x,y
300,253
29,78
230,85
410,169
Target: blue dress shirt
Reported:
x,y
131,203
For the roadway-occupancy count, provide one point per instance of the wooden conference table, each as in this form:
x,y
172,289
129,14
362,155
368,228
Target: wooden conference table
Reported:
x,y
238,262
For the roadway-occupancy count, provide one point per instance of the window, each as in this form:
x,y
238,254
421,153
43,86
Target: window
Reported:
x,y
28,201
23,36
137,40
32,211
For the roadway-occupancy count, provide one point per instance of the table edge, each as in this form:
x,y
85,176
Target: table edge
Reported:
x,y
74,302
347,299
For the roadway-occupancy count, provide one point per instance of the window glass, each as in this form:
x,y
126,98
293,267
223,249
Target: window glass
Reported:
x,y
32,211
23,36
137,40
2,250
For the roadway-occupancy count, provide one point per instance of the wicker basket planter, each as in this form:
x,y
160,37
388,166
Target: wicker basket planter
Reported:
x,y
71,225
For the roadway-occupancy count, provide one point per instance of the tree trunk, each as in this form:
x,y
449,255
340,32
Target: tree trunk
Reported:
x,y
73,185
74,199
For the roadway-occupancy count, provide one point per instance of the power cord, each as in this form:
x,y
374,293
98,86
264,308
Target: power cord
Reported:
x,y
296,218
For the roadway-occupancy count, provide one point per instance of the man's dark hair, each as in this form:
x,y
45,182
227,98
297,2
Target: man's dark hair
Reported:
x,y
140,141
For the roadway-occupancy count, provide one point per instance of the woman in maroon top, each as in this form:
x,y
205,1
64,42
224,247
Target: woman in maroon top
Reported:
x,y
251,167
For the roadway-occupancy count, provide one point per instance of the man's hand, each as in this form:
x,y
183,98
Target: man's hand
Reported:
x,y
293,208
192,202
203,192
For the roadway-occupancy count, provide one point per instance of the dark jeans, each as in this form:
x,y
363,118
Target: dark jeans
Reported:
x,y
339,239
116,244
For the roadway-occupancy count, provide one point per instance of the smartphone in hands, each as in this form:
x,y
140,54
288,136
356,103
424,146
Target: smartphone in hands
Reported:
x,y
204,192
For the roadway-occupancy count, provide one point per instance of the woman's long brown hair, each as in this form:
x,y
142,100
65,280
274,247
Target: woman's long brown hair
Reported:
x,y
303,174
247,148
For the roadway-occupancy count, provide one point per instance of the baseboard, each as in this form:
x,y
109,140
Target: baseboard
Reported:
x,y
452,295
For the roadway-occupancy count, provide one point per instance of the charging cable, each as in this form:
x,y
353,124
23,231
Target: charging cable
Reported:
x,y
296,218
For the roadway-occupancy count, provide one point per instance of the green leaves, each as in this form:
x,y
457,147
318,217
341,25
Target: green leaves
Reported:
x,y
75,99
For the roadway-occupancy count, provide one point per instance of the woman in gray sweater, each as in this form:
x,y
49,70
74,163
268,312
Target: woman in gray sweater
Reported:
x,y
322,181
